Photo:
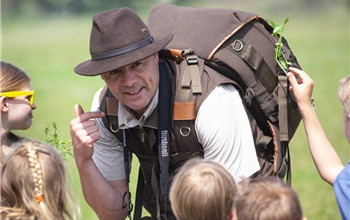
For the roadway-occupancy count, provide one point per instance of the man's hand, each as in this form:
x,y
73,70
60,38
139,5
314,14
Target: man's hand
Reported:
x,y
84,133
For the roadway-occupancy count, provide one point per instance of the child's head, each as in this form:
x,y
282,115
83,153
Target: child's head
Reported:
x,y
12,78
344,97
203,189
33,183
16,98
267,198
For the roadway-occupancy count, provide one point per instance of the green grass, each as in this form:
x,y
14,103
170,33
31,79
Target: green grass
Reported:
x,y
48,50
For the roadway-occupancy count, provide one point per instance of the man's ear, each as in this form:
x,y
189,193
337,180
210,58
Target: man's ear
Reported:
x,y
4,105
156,57
102,77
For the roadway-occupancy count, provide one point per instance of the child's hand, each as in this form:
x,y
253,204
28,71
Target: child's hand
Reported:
x,y
301,86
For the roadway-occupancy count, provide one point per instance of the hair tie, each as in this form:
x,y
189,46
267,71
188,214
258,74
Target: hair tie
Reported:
x,y
37,173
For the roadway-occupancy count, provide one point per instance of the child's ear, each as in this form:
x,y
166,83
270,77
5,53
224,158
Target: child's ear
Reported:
x,y
4,105
232,215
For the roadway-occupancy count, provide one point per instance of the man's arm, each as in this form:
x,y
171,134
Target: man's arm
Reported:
x,y
325,158
106,198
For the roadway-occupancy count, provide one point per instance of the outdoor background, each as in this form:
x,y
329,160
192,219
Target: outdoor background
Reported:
x,y
48,38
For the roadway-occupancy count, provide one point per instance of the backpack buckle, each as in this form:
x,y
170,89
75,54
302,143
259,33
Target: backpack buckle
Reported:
x,y
249,95
111,127
190,56
192,59
237,45
185,130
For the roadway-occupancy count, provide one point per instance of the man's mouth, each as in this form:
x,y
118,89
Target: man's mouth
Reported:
x,y
135,92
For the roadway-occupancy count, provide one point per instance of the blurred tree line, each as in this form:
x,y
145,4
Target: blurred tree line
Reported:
x,y
9,7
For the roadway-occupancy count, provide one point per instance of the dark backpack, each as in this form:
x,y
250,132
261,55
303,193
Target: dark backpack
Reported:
x,y
240,46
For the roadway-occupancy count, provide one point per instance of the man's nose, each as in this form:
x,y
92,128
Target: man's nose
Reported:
x,y
128,77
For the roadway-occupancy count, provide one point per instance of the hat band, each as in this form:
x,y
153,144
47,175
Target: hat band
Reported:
x,y
123,50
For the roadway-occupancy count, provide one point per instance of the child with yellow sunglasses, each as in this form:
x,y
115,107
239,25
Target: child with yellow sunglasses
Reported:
x,y
16,106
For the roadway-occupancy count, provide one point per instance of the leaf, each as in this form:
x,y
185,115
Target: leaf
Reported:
x,y
279,55
53,138
271,23
277,30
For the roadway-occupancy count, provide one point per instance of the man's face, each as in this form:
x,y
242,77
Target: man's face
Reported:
x,y
135,85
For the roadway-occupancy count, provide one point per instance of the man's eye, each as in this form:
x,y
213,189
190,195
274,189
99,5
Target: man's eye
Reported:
x,y
114,72
136,64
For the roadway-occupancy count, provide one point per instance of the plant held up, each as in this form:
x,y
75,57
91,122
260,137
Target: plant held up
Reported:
x,y
281,60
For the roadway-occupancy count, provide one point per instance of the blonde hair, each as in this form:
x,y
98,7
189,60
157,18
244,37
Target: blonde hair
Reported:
x,y
344,93
267,198
202,189
12,78
33,184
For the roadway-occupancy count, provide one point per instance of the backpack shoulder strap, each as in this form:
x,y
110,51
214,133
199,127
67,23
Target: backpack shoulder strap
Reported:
x,y
190,82
102,94
109,105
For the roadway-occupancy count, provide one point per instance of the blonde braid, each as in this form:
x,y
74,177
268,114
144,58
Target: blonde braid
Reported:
x,y
36,171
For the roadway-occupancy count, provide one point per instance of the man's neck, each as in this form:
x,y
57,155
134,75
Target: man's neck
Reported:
x,y
138,113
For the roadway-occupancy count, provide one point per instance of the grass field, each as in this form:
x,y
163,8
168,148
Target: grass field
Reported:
x,y
48,50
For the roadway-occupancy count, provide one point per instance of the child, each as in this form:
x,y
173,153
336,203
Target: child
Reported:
x,y
267,198
33,184
327,162
16,103
203,189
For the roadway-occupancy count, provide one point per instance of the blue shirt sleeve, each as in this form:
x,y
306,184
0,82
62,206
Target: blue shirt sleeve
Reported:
x,y
342,192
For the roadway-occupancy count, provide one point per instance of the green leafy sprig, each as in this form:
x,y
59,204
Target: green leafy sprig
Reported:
x,y
281,60
53,138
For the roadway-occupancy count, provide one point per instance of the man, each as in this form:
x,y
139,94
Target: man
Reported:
x,y
126,56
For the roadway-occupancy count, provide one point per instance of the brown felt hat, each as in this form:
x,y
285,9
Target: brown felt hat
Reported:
x,y
118,38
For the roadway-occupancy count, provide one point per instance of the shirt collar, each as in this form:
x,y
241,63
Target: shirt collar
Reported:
x,y
127,119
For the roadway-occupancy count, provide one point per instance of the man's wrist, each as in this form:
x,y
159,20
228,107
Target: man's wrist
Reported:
x,y
83,163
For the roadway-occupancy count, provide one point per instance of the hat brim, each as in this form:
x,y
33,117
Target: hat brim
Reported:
x,y
98,67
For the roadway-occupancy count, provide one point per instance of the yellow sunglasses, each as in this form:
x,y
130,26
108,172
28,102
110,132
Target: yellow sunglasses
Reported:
x,y
20,93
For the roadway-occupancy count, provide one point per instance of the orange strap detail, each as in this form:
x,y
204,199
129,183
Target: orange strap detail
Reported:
x,y
172,54
184,110
112,106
